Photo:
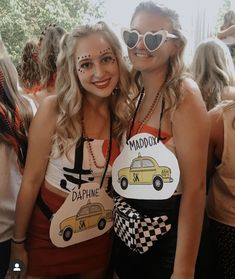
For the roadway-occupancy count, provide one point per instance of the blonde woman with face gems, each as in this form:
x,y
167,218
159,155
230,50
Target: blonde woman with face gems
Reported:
x,y
64,226
168,139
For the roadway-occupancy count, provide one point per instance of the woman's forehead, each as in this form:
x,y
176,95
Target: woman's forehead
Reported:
x,y
93,44
150,21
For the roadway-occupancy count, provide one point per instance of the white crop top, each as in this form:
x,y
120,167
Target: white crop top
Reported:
x,y
67,172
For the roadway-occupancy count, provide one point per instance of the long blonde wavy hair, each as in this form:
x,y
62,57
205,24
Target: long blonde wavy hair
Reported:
x,y
176,69
70,92
212,68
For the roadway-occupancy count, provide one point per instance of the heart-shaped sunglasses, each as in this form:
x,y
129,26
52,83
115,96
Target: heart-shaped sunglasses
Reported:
x,y
152,41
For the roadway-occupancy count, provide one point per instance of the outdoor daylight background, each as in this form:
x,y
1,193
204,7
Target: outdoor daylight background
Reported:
x,y
200,19
22,20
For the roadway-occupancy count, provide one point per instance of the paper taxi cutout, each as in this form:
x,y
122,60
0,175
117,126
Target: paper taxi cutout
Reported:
x,y
145,169
85,214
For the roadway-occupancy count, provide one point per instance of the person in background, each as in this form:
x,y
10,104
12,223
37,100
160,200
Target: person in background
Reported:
x,y
213,70
227,32
70,162
15,116
221,196
29,73
170,109
47,56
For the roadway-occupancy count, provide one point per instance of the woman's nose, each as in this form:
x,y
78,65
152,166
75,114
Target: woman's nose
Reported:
x,y
140,43
98,70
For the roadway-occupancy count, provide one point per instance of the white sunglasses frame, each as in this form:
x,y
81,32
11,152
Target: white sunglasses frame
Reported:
x,y
165,34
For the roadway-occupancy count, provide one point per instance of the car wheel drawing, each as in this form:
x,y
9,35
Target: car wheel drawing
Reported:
x,y
67,234
101,224
124,183
157,183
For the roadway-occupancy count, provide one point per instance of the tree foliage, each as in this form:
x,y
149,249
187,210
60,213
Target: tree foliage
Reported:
x,y
22,20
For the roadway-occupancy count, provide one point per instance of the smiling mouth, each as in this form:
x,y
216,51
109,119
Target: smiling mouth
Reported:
x,y
102,84
142,54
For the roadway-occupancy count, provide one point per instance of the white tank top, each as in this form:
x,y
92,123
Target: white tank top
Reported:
x,y
67,172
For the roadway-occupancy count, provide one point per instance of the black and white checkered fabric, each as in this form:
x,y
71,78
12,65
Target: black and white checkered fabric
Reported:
x,y
136,231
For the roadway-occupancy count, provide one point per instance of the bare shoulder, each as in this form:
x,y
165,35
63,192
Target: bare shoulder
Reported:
x,y
216,114
190,99
46,114
48,105
190,89
230,31
191,117
216,111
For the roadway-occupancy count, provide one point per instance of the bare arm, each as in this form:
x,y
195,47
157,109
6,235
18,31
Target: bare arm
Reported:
x,y
230,31
41,130
191,133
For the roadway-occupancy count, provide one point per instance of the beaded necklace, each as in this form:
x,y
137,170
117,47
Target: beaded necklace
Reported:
x,y
91,154
150,111
90,150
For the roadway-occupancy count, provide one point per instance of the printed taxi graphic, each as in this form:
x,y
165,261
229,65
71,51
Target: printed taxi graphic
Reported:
x,y
89,216
144,170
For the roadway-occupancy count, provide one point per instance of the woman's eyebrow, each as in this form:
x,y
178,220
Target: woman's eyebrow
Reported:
x,y
88,57
84,57
107,52
108,49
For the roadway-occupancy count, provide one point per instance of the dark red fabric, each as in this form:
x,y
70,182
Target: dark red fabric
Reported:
x,y
45,259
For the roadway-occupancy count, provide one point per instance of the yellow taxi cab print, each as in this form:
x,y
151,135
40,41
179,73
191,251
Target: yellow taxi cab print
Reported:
x,y
144,170
89,216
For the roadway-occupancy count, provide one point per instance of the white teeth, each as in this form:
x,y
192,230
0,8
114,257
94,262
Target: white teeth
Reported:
x,y
101,82
141,55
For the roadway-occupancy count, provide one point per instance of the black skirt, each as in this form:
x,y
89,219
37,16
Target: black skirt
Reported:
x,y
158,261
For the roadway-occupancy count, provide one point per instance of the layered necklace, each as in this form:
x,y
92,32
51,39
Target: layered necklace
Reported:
x,y
149,112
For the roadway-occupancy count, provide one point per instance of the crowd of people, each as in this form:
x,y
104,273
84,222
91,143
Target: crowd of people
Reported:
x,y
112,170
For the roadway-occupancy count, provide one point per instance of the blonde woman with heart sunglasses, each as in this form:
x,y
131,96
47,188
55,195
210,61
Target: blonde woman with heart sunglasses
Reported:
x,y
169,108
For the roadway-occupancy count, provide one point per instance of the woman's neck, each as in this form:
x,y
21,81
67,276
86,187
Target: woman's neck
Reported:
x,y
96,105
152,83
96,119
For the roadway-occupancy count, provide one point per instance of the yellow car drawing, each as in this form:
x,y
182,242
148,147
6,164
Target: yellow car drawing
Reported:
x,y
89,216
144,170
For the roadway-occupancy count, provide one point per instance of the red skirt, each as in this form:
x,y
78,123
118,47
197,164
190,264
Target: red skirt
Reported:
x,y
45,259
